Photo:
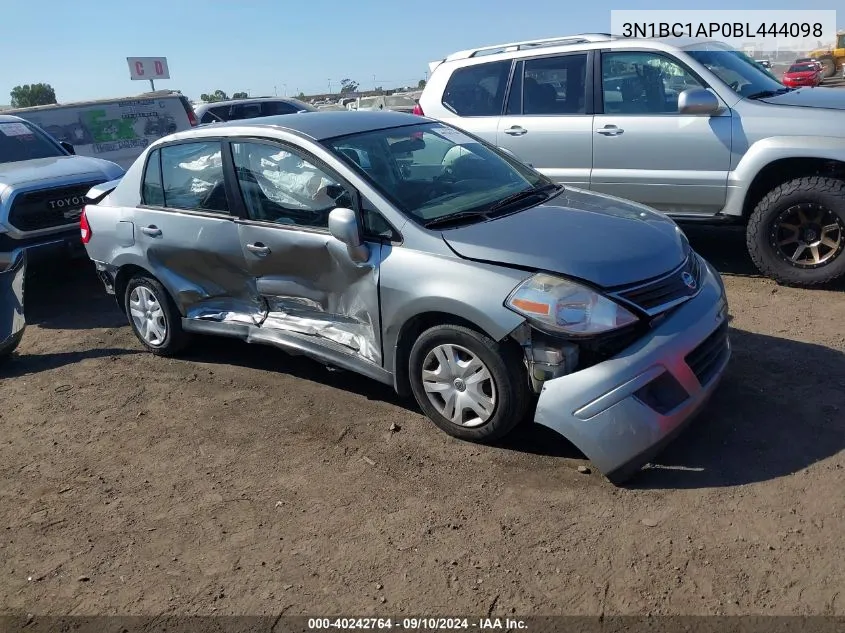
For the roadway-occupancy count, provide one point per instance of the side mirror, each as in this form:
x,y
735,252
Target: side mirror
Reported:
x,y
698,101
68,147
343,226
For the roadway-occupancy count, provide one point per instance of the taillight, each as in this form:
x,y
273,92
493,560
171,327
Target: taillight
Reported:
x,y
418,110
84,227
192,118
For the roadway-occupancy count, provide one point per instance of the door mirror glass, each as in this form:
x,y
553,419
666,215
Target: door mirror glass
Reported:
x,y
698,101
68,147
343,226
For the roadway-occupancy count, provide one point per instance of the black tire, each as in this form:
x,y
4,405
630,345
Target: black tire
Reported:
x,y
507,372
761,236
175,338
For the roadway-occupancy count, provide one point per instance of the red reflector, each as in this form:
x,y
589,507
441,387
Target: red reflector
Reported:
x,y
418,110
84,228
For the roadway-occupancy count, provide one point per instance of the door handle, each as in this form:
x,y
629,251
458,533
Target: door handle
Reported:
x,y
152,230
516,130
609,130
258,248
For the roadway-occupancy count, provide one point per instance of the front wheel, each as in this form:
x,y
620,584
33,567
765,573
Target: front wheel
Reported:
x,y
470,386
153,316
796,234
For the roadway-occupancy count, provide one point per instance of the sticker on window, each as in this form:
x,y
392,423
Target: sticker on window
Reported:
x,y
455,136
15,129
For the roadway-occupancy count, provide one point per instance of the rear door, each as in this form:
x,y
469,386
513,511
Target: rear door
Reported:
x,y
548,122
188,236
308,282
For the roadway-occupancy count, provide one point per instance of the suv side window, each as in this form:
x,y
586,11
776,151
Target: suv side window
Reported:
x,y
640,82
554,85
281,186
245,111
271,108
477,90
152,192
192,177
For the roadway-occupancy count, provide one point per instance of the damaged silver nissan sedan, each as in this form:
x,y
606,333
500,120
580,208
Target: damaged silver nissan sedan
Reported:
x,y
413,253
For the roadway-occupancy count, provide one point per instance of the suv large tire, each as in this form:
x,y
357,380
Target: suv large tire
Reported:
x,y
796,234
828,67
484,382
153,316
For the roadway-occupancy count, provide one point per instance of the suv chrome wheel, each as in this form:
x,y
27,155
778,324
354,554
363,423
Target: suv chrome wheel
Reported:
x,y
459,385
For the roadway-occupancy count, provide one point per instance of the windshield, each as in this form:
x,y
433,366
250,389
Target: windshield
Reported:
x,y
431,171
801,68
19,140
737,70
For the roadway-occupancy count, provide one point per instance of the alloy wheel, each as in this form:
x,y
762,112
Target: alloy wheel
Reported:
x,y
808,235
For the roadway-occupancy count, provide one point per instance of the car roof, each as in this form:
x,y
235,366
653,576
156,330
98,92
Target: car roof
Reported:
x,y
322,125
231,102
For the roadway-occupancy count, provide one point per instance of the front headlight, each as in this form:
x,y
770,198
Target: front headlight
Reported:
x,y
560,305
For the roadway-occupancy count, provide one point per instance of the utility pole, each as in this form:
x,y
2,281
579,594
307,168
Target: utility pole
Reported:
x,y
275,91
285,86
152,85
330,86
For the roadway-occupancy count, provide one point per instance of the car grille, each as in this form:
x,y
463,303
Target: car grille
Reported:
x,y
705,359
661,294
49,208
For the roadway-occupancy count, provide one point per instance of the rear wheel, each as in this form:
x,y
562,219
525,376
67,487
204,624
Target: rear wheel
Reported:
x,y
796,234
470,386
154,317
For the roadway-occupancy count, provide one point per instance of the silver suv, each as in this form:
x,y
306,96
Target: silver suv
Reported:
x,y
413,253
695,129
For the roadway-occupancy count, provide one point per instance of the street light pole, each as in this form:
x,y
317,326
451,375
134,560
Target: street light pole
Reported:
x,y
330,86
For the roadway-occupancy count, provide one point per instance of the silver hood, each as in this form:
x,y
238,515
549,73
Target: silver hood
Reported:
x,y
601,239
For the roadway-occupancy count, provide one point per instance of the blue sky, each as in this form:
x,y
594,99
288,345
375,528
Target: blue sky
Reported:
x,y
261,46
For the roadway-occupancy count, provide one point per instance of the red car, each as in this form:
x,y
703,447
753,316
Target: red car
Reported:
x,y
799,75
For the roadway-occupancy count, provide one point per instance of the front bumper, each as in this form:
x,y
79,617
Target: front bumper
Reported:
x,y
64,244
12,321
622,411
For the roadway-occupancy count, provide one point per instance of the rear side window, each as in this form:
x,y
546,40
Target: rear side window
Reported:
x,y
477,90
271,108
244,111
555,85
151,190
192,177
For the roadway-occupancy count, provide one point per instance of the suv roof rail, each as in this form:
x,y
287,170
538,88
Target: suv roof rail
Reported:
x,y
518,46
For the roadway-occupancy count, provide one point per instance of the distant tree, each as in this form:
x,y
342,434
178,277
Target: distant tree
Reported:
x,y
301,96
32,95
217,95
348,85
240,95
378,89
421,84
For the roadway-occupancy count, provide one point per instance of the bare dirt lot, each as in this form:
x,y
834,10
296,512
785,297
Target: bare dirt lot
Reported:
x,y
238,480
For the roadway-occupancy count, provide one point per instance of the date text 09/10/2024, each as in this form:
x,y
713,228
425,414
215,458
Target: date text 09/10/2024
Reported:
x,y
728,30
416,624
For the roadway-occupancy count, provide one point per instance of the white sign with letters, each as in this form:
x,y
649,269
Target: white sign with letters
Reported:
x,y
148,68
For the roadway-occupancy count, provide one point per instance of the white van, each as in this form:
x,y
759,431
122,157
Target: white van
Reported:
x,y
117,130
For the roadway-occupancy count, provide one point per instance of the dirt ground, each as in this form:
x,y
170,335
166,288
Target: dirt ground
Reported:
x,y
237,480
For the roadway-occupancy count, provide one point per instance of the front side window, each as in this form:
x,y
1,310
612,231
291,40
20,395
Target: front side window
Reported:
x,y
431,171
20,140
244,111
283,187
272,108
736,70
477,90
192,177
643,83
555,85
